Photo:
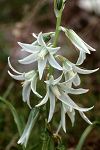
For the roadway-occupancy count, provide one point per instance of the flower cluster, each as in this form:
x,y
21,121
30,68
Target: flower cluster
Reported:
x,y
43,52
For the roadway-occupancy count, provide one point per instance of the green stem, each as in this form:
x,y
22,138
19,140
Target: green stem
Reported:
x,y
57,27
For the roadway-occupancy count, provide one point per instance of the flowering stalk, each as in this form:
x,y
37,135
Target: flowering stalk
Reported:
x,y
58,22
44,52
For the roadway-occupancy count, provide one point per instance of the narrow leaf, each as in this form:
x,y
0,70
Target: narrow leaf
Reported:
x,y
14,113
85,134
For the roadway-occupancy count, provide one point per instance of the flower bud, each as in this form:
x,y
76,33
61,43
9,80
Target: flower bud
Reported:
x,y
59,4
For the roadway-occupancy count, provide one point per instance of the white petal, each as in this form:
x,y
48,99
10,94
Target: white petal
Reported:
x,y
52,50
54,63
55,90
30,48
77,41
56,81
12,67
68,101
17,77
63,122
84,117
41,66
26,46
35,43
28,128
66,67
89,47
50,81
81,58
40,40
74,91
33,86
52,106
45,99
84,71
71,116
26,92
71,113
34,35
29,59
76,80
69,80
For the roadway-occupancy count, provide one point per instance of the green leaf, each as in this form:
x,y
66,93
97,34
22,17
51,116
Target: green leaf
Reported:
x,y
14,113
85,134
28,128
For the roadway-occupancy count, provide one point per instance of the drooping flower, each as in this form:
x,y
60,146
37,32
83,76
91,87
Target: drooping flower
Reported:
x,y
70,69
58,90
77,41
40,52
71,114
28,128
29,82
82,46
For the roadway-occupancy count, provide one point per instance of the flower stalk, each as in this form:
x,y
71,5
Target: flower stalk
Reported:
x,y
44,51
58,23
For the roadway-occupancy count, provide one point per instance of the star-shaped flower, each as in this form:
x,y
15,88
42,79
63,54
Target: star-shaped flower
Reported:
x,y
58,90
40,52
70,69
29,82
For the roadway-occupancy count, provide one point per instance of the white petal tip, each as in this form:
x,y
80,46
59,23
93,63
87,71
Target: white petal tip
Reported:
x,y
97,69
88,52
21,62
94,50
30,107
19,43
48,120
87,90
18,142
36,105
34,35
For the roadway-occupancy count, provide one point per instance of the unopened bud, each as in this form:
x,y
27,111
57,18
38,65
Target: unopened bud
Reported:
x,y
59,4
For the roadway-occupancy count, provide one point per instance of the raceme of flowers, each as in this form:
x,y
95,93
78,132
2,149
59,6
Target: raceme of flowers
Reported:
x,y
43,52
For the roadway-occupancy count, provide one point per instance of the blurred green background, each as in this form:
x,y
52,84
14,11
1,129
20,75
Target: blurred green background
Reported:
x,y
18,19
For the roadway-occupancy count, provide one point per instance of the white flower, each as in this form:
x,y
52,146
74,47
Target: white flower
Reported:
x,y
77,41
40,52
58,90
28,128
71,114
70,69
29,82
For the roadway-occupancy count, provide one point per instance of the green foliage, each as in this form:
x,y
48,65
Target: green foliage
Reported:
x,y
85,134
15,115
